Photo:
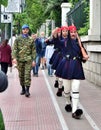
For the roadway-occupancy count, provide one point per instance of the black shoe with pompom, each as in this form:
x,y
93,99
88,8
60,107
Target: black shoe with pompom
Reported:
x,y
59,92
68,108
56,84
77,114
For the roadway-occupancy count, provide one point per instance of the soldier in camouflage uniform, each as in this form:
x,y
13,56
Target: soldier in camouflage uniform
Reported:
x,y
23,55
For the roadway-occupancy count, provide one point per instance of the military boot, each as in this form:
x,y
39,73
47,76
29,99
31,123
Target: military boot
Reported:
x,y
23,90
27,94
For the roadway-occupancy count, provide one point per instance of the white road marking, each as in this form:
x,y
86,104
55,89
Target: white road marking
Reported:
x,y
90,120
58,111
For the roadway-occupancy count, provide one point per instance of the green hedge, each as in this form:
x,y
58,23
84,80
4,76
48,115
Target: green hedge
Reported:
x,y
2,127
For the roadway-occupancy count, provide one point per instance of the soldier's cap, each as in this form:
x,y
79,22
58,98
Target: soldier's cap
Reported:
x,y
72,28
25,26
64,28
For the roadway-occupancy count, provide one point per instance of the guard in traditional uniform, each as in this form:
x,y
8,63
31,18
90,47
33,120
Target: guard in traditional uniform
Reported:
x,y
23,55
62,39
54,41
71,71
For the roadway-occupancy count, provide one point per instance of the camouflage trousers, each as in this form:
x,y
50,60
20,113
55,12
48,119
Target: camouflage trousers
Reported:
x,y
24,69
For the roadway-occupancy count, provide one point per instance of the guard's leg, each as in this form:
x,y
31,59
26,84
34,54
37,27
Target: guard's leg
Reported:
x,y
56,84
67,89
27,78
27,94
76,113
60,87
23,90
21,70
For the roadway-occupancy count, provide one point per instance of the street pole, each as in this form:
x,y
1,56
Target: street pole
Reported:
x,y
11,35
11,29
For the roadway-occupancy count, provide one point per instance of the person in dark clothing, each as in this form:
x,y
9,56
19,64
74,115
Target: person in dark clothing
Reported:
x,y
5,56
38,47
54,41
42,39
23,54
71,71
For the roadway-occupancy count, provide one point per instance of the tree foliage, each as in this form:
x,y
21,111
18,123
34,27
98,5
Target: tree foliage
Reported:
x,y
4,2
36,13
84,30
73,1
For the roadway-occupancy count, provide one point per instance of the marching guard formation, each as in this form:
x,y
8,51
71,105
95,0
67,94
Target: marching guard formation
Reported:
x,y
67,62
65,56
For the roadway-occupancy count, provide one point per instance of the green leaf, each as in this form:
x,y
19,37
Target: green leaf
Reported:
x,y
4,2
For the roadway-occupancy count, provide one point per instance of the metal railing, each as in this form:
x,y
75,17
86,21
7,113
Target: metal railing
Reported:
x,y
77,15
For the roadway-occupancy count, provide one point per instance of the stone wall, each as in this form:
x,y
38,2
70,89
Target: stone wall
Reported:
x,y
92,67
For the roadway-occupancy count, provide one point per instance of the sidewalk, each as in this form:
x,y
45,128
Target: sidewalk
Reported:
x,y
44,110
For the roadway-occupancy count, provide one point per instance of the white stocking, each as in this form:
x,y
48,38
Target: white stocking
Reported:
x,y
67,89
75,94
60,82
57,78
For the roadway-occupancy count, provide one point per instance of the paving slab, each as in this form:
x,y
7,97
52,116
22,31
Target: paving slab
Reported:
x,y
41,112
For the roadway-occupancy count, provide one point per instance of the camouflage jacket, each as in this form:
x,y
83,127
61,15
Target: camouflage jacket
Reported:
x,y
24,49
